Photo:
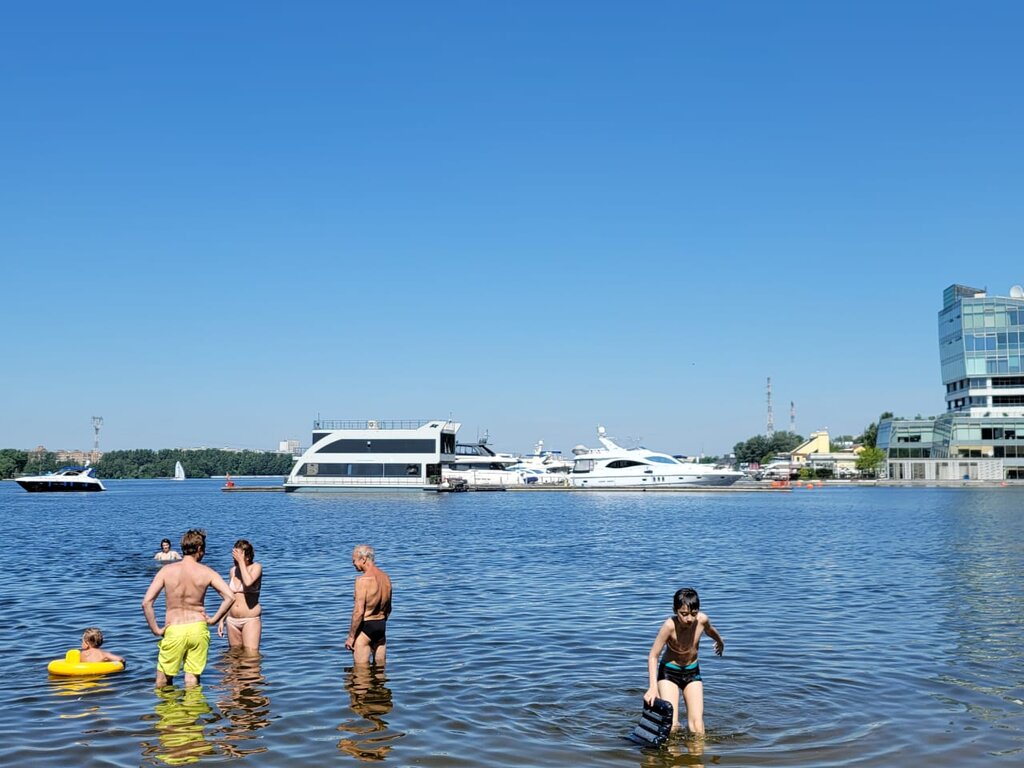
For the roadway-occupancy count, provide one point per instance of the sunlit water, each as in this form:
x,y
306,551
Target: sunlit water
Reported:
x,y
862,627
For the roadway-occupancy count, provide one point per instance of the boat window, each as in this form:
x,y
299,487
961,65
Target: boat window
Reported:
x,y
662,459
380,445
623,463
583,465
372,469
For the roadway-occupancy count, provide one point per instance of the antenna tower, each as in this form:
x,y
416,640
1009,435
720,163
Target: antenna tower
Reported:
x,y
97,422
771,419
792,417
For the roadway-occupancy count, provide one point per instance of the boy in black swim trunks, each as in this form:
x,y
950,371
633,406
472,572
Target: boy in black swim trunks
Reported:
x,y
678,669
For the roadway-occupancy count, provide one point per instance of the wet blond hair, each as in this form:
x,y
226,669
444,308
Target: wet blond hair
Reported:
x,y
93,636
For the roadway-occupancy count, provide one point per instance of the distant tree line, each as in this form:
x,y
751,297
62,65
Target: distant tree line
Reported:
x,y
144,463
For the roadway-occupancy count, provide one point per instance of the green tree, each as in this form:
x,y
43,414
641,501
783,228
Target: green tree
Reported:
x,y
869,460
761,449
12,462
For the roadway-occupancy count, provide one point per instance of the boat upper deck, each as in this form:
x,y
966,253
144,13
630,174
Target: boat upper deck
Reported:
x,y
332,424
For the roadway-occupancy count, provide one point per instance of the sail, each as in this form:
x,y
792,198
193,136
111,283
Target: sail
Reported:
x,y
179,471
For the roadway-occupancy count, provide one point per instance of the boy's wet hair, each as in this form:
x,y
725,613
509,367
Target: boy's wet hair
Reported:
x,y
193,541
93,636
247,550
165,541
688,597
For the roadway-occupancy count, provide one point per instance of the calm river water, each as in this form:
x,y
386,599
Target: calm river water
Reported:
x,y
874,627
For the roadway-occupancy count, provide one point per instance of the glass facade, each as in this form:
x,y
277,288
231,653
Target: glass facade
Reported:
x,y
981,355
981,349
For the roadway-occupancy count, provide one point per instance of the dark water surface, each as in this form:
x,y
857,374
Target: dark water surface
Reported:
x,y
862,626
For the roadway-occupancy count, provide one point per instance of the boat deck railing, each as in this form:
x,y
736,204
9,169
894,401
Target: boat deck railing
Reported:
x,y
374,423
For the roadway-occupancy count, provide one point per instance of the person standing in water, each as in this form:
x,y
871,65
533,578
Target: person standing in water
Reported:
x,y
166,554
678,670
185,636
367,636
243,620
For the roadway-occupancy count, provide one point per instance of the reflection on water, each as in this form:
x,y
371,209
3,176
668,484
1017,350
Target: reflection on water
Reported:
x,y
242,702
680,749
370,700
181,717
80,686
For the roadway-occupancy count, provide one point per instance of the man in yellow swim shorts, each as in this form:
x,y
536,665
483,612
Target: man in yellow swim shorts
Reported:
x,y
185,636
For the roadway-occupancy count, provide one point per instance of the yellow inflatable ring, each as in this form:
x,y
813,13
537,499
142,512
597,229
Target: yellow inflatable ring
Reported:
x,y
73,666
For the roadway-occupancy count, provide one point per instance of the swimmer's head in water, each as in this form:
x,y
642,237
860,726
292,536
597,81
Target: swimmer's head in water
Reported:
x,y
165,545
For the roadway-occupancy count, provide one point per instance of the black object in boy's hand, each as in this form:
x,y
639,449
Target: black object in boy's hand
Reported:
x,y
655,724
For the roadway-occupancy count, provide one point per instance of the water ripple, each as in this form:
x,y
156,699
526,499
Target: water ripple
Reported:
x,y
863,627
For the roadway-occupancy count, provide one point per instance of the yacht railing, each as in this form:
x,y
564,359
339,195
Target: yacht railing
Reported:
x,y
374,423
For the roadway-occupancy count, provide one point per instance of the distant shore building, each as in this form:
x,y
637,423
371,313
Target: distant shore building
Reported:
x,y
289,446
981,434
67,457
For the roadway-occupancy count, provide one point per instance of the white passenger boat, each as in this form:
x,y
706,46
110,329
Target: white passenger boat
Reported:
x,y
616,467
374,455
65,479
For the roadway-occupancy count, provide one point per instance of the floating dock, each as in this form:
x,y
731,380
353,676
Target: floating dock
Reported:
x,y
253,488
556,489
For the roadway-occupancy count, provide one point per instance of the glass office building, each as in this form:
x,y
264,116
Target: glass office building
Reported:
x,y
981,433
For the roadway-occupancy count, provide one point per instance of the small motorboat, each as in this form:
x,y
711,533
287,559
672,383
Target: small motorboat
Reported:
x,y
65,479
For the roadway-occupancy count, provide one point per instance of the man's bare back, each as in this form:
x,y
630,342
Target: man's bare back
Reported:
x,y
376,594
184,585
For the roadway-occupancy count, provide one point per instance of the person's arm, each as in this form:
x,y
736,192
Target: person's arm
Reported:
x,y
652,661
107,656
713,634
358,609
221,628
147,603
225,591
387,608
175,555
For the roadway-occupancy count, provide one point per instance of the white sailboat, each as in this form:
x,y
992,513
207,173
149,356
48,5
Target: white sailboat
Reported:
x,y
179,471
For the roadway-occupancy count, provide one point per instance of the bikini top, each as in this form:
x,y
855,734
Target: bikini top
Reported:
x,y
236,585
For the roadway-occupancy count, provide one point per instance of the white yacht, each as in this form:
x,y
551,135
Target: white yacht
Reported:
x,y
478,465
616,467
544,467
64,479
374,455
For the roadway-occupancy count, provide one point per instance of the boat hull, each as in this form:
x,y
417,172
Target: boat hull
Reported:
x,y
49,486
688,481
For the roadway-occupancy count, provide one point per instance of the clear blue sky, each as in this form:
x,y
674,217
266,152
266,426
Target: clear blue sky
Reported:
x,y
219,220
